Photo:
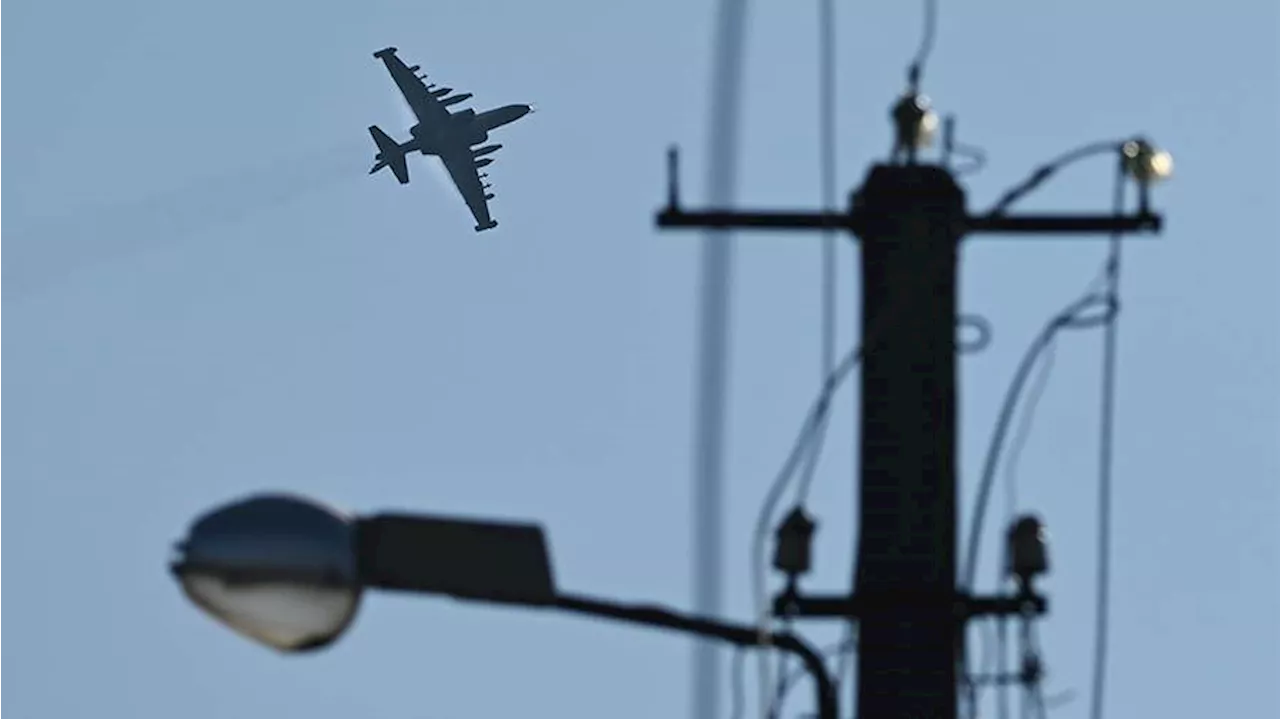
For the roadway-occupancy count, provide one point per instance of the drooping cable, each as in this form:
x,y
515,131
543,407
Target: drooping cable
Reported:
x,y
827,165
1106,444
927,39
1047,170
827,183
1074,316
1002,668
841,649
809,430
1020,437
1024,430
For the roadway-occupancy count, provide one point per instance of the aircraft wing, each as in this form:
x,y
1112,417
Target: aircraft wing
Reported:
x,y
421,100
461,164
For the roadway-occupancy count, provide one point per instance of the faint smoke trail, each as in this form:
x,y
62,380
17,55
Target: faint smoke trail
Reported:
x,y
45,253
713,341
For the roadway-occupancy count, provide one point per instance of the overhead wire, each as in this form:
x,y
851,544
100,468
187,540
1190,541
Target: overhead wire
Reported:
x,y
1047,170
1106,452
1073,317
1018,443
976,156
1023,431
827,349
927,40
814,420
788,681
809,428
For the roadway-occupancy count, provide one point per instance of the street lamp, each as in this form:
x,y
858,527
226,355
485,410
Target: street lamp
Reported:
x,y
276,569
288,572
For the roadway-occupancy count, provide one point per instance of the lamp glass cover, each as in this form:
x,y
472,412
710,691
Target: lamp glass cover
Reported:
x,y
287,616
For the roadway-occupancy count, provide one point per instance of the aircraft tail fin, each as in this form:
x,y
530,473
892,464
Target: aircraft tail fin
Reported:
x,y
390,154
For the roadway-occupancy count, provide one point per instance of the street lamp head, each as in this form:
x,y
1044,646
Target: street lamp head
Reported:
x,y
278,569
1146,163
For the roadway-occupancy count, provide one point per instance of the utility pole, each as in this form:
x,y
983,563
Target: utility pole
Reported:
x,y
910,219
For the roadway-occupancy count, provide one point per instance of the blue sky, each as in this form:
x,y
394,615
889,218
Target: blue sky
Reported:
x,y
206,296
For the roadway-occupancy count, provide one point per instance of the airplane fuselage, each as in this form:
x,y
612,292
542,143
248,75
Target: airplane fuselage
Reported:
x,y
456,137
465,127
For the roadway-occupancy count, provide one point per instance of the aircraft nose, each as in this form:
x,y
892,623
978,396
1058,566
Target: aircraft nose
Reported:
x,y
532,108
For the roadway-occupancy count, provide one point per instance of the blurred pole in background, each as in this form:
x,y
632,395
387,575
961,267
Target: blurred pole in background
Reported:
x,y
712,361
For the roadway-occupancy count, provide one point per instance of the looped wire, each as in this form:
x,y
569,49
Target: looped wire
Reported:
x,y
983,328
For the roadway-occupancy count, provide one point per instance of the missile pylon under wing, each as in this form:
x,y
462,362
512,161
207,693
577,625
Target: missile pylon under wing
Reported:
x,y
455,99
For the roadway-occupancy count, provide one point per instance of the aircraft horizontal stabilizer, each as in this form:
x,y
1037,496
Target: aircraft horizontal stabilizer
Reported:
x,y
390,154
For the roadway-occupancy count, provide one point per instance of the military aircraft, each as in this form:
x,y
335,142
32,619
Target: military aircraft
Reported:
x,y
449,135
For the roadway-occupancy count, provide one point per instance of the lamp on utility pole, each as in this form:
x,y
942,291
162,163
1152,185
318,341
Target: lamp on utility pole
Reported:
x,y
911,218
288,573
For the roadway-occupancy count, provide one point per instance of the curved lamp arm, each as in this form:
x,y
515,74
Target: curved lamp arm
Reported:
x,y
736,634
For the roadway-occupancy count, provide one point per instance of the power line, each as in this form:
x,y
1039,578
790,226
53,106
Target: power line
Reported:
x,y
927,40
1020,437
1072,317
1024,429
787,682
1047,170
827,182
1106,445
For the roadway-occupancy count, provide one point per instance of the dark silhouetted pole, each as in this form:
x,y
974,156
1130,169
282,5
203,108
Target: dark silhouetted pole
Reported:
x,y
907,546
910,219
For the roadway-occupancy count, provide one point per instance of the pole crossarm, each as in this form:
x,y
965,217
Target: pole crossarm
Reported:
x,y
736,634
861,219
965,606
856,223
